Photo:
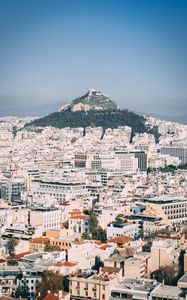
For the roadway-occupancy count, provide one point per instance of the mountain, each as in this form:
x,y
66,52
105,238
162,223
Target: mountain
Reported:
x,y
91,100
93,109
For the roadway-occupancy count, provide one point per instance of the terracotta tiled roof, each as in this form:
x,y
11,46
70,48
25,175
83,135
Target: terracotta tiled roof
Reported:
x,y
104,247
98,242
20,255
79,217
50,296
69,264
120,239
77,214
40,240
66,264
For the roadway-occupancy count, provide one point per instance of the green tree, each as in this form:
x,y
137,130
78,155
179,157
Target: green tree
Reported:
x,y
100,234
119,219
10,247
52,281
168,274
19,276
93,222
85,236
96,231
22,290
98,263
12,262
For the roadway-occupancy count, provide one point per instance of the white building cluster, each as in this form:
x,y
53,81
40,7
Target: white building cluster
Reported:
x,y
71,197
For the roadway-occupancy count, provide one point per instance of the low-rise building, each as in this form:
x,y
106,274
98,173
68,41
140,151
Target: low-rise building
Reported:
x,y
128,229
87,285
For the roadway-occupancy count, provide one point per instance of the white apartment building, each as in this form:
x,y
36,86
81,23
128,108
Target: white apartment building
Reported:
x,y
78,222
127,229
172,209
47,217
83,253
61,190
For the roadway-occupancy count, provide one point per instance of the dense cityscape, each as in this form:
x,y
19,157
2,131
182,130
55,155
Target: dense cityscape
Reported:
x,y
93,149
87,215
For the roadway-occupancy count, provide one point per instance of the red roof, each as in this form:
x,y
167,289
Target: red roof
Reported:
x,y
50,296
98,242
77,214
69,264
79,217
40,240
104,247
120,239
20,255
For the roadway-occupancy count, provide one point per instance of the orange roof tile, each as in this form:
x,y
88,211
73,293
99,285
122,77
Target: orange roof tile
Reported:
x,y
50,296
81,217
120,239
20,255
98,242
69,264
104,247
40,240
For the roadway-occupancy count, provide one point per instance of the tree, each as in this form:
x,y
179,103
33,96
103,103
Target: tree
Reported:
x,y
12,262
10,247
52,281
93,222
96,231
19,276
119,219
167,273
98,263
49,247
100,234
85,236
22,290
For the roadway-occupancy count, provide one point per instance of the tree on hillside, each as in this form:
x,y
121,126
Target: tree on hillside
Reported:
x,y
10,247
86,236
98,263
52,281
22,290
168,274
96,231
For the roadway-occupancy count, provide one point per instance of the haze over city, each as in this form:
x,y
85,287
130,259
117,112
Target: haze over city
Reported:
x,y
53,51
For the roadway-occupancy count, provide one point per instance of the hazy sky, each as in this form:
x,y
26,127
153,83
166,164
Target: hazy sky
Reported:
x,y
133,50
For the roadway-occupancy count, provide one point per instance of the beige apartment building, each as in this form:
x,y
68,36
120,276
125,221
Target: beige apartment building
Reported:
x,y
87,285
137,266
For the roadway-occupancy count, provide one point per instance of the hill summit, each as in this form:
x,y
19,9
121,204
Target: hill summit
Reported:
x,y
91,100
93,109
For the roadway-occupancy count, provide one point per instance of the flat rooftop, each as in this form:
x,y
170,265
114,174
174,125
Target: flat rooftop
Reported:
x,y
141,285
167,291
166,199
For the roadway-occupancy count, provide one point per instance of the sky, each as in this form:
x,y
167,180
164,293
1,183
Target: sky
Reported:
x,y
54,50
